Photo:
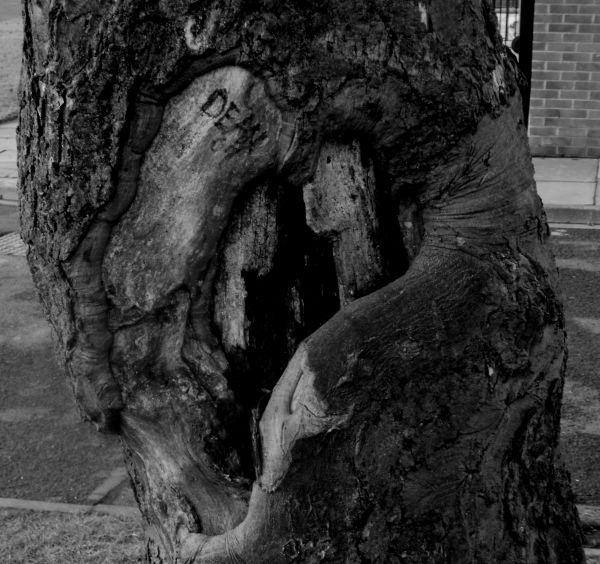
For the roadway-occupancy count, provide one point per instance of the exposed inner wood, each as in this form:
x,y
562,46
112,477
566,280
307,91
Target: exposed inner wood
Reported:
x,y
266,290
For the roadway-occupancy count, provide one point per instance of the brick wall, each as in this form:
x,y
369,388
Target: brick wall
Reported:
x,y
564,118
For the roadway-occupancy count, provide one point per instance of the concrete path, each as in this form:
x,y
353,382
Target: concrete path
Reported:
x,y
569,189
577,254
47,453
8,163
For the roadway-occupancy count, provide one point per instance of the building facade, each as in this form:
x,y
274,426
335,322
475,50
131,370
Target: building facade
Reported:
x,y
564,114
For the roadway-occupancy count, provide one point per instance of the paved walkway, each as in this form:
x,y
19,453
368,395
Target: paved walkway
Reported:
x,y
8,163
47,454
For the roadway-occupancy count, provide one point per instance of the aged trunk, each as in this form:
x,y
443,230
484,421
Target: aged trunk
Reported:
x,y
293,255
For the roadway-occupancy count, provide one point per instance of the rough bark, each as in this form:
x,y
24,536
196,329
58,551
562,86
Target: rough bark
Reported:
x,y
293,255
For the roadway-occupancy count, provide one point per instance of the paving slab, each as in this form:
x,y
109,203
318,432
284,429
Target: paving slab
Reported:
x,y
10,9
592,555
9,192
47,452
9,219
566,169
7,157
563,192
588,323
12,244
579,264
8,171
584,216
8,130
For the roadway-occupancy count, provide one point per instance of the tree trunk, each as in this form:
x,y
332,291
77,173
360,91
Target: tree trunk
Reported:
x,y
293,255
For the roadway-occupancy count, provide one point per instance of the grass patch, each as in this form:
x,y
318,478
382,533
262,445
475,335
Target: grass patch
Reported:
x,y
45,538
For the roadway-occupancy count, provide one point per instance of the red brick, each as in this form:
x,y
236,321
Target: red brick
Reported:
x,y
545,93
561,66
563,27
561,141
579,75
579,57
543,151
548,75
536,121
593,133
575,94
552,103
560,9
572,131
587,85
542,131
570,151
551,18
562,47
588,9
589,28
549,112
588,104
574,114
579,37
586,66
536,103
553,56
566,122
580,141
576,18
559,84
588,47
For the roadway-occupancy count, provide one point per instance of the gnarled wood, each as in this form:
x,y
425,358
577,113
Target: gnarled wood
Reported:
x,y
294,257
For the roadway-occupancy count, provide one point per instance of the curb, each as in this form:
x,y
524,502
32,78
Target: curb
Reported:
x,y
583,215
12,116
589,515
592,555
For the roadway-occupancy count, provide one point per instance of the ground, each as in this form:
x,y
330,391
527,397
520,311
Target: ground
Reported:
x,y
51,454
53,538
578,257
11,38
